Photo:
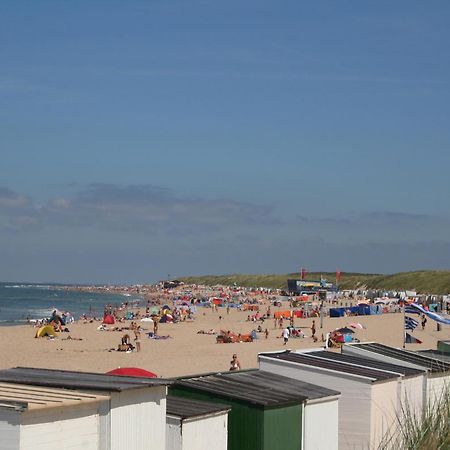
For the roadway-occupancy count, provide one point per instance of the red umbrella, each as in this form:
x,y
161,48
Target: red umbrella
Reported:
x,y
132,372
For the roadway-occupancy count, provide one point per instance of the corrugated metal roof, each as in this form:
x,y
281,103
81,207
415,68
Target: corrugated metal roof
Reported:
x,y
22,397
402,355
359,361
77,380
370,374
186,407
257,387
436,354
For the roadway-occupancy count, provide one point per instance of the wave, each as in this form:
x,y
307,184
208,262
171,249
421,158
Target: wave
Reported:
x,y
30,286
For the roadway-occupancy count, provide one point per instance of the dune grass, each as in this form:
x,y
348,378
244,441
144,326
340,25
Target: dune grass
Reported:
x,y
429,431
425,281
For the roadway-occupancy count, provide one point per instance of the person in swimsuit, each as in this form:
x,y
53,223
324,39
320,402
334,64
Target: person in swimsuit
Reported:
x,y
234,363
137,340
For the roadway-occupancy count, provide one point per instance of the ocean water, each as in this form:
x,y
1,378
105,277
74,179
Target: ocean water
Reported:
x,y
18,302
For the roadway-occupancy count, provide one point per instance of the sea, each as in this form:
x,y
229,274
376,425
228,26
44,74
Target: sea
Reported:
x,y
20,302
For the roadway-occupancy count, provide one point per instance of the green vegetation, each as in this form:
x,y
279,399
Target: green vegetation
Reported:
x,y
429,431
426,281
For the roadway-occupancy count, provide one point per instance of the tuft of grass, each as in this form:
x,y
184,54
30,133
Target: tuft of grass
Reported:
x,y
429,431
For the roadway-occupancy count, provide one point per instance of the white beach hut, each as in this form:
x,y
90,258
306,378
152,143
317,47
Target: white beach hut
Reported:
x,y
369,397
34,418
196,425
129,412
438,372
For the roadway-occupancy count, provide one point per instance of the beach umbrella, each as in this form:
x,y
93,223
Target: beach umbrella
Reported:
x,y
345,330
132,372
357,325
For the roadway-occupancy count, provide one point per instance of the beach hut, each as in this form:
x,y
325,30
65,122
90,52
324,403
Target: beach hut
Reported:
x,y
33,418
444,346
196,425
436,354
268,412
412,382
368,401
438,372
134,417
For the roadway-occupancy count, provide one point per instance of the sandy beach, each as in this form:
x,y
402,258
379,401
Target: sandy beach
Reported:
x,y
187,352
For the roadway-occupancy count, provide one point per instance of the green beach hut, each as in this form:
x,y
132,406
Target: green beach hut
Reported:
x,y
444,346
267,410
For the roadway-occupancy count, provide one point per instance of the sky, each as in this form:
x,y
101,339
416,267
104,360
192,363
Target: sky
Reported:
x,y
142,140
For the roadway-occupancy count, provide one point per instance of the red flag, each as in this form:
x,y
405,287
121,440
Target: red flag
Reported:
x,y
302,273
338,276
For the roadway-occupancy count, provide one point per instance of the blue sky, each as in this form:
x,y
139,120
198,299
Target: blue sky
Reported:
x,y
141,139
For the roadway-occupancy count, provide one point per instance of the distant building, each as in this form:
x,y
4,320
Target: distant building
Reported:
x,y
298,287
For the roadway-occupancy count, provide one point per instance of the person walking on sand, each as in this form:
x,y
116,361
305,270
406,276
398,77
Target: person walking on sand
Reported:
x,y
313,331
424,321
285,335
234,363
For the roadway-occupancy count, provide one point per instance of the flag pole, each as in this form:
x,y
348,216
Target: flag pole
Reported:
x,y
404,325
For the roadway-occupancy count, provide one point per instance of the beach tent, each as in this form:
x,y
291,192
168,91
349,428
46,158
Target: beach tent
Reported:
x,y
132,372
337,312
46,330
108,319
284,314
345,330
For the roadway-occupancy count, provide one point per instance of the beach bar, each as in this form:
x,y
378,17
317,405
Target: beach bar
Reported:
x,y
130,412
369,396
438,372
268,412
196,425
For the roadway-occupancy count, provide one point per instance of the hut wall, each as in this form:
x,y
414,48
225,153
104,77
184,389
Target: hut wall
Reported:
x,y
282,428
209,433
56,428
384,409
174,440
354,403
138,419
320,416
413,393
9,429
436,386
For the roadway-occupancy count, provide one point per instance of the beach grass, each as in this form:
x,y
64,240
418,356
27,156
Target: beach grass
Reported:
x,y
424,281
428,431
